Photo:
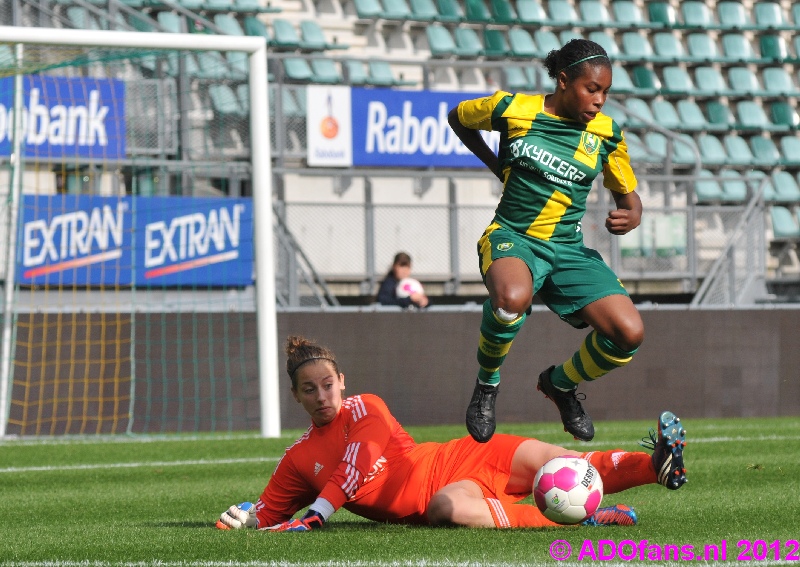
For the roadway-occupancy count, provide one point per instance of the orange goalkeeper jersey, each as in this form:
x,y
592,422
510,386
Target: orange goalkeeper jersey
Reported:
x,y
365,461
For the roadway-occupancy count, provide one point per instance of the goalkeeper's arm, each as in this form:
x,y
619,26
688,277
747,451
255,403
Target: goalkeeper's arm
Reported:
x,y
244,516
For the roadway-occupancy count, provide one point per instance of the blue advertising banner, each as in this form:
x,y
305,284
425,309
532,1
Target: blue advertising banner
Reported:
x,y
409,129
179,241
66,117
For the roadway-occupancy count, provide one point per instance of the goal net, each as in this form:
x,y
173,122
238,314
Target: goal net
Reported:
x,y
134,166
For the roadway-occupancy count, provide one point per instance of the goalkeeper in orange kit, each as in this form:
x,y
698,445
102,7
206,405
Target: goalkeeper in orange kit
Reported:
x,y
356,455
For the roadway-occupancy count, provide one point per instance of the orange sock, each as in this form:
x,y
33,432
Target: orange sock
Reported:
x,y
621,470
516,515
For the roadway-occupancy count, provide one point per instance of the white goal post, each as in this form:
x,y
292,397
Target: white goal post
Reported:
x,y
256,49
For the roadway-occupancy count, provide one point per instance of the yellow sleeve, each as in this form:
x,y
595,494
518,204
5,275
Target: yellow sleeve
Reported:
x,y
477,113
617,172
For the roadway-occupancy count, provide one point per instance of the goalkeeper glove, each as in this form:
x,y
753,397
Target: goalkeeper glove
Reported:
x,y
310,521
240,516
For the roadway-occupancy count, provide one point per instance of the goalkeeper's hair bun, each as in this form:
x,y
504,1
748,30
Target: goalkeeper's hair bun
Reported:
x,y
300,350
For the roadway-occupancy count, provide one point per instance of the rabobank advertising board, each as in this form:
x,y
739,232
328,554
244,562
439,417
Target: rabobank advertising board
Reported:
x,y
143,241
66,117
388,128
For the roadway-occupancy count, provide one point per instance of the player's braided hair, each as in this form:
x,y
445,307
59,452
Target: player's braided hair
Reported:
x,y
574,56
300,350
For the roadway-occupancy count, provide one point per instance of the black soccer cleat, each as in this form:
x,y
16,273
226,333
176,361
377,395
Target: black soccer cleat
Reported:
x,y
480,412
575,420
668,450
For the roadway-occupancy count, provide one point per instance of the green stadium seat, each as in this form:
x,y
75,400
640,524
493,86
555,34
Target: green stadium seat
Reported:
x,y
562,13
289,105
617,113
745,82
212,65
224,101
368,9
355,72
594,14
255,27
702,47
765,151
720,115
773,47
284,35
646,80
667,114
627,14
733,15
696,14
312,38
677,82
229,24
547,41
450,11
380,73
656,144
734,187
778,82
254,7
239,64
516,79
440,41
796,16
683,150
495,43
476,11
711,82
668,47
782,113
691,116
540,80
712,151
218,5
423,10
521,43
607,42
468,42
325,71
751,116
81,19
193,5
636,47
189,64
786,189
737,48
707,189
663,13
396,10
738,150
135,3
503,12
637,150
790,151
639,113
531,12
565,36
769,15
784,223
621,80
297,69
170,22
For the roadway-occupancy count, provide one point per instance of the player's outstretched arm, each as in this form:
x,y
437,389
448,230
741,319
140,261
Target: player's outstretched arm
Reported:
x,y
238,516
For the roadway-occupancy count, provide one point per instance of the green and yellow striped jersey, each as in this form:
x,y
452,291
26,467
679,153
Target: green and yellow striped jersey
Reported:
x,y
548,163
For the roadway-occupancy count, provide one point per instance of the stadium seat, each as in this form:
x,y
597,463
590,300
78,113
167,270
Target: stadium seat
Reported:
x,y
193,5
450,11
617,113
786,188
521,43
637,149
355,72
733,15
622,82
656,144
796,16
707,189
751,116
796,43
696,14
765,152
325,71
646,80
565,36
769,15
255,27
744,82
594,14
495,43
229,24
477,12
367,9
561,13
711,82
778,82
663,13
297,69
627,14
790,151
312,38
636,47
81,19
736,48
212,65
218,5
284,35
540,79
423,10
396,10
380,73
711,150
720,115
440,41
691,116
683,150
734,187
784,223
738,150
503,12
703,47
468,42
515,79
170,22
531,12
607,42
668,48
639,113
224,101
547,41
254,7
667,116
773,48
677,82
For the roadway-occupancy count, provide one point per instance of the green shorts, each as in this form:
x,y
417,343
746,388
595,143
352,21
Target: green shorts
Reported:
x,y
566,277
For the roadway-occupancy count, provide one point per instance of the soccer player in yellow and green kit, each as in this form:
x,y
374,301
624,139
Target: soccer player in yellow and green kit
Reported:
x,y
552,147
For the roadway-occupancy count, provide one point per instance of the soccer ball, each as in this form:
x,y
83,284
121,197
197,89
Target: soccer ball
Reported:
x,y
407,287
567,490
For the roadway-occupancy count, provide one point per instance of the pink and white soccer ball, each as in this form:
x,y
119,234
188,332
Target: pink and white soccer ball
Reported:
x,y
408,287
567,490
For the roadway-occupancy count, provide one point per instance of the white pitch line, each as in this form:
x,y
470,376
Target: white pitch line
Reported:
x,y
200,462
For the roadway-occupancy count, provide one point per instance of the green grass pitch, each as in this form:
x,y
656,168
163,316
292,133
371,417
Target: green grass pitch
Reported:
x,y
154,500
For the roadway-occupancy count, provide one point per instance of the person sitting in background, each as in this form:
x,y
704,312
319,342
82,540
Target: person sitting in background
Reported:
x,y
357,456
388,292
